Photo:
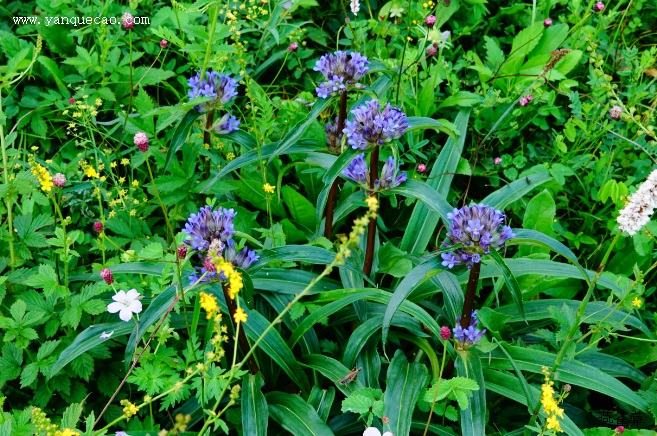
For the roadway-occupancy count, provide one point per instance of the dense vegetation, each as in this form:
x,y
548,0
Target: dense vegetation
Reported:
x,y
328,217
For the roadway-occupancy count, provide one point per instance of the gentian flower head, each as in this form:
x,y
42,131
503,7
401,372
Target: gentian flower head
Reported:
x,y
333,137
209,225
372,126
470,336
358,171
479,228
340,72
227,124
390,177
244,259
221,89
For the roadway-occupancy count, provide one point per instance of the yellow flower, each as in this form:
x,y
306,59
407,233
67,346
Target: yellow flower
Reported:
x,y
113,164
66,432
372,203
125,161
240,315
129,409
112,214
133,212
121,179
553,424
230,156
268,188
209,304
637,302
91,172
135,183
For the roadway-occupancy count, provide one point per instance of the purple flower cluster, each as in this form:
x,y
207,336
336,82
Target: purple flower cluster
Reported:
x,y
333,137
478,228
211,235
221,90
208,225
358,171
471,335
340,72
227,124
372,126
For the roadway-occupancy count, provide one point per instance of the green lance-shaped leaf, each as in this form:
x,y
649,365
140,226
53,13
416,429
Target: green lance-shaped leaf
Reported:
x,y
151,315
510,280
298,130
276,348
404,383
332,370
180,135
295,415
255,414
89,339
423,192
423,221
473,419
322,400
516,190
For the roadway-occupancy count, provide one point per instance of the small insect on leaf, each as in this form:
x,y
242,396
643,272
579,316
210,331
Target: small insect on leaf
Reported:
x,y
350,377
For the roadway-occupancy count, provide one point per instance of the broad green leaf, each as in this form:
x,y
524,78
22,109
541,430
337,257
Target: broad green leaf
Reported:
x,y
426,194
180,135
290,281
573,372
275,347
423,221
404,383
255,414
332,370
359,338
298,130
413,279
322,400
295,415
503,197
507,385
539,216
473,419
302,210
510,280
87,340
153,313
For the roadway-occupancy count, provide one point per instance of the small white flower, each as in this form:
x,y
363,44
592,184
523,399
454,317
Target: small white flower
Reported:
x,y
125,304
355,6
104,335
373,431
396,12
641,206
121,433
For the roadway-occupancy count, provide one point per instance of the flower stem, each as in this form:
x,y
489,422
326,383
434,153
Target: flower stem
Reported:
x,y
333,193
8,202
241,336
371,226
435,395
473,280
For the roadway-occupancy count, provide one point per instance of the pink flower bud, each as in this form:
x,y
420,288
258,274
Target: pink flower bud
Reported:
x,y
106,275
128,21
293,47
430,21
164,43
497,160
182,252
445,333
71,100
547,22
598,7
619,430
524,101
530,97
421,168
59,180
141,141
431,51
616,112
209,266
98,226
385,420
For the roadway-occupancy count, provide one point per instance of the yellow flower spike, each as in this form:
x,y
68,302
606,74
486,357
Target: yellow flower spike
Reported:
x,y
268,188
240,315
209,304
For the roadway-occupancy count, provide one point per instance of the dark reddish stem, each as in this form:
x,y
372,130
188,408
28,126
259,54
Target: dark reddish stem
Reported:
x,y
333,193
244,343
473,280
371,226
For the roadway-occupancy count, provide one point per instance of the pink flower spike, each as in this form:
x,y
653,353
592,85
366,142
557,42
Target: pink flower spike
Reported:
x,y
547,22
497,160
164,43
59,180
599,7
141,141
430,21
421,168
106,275
128,21
445,333
293,46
